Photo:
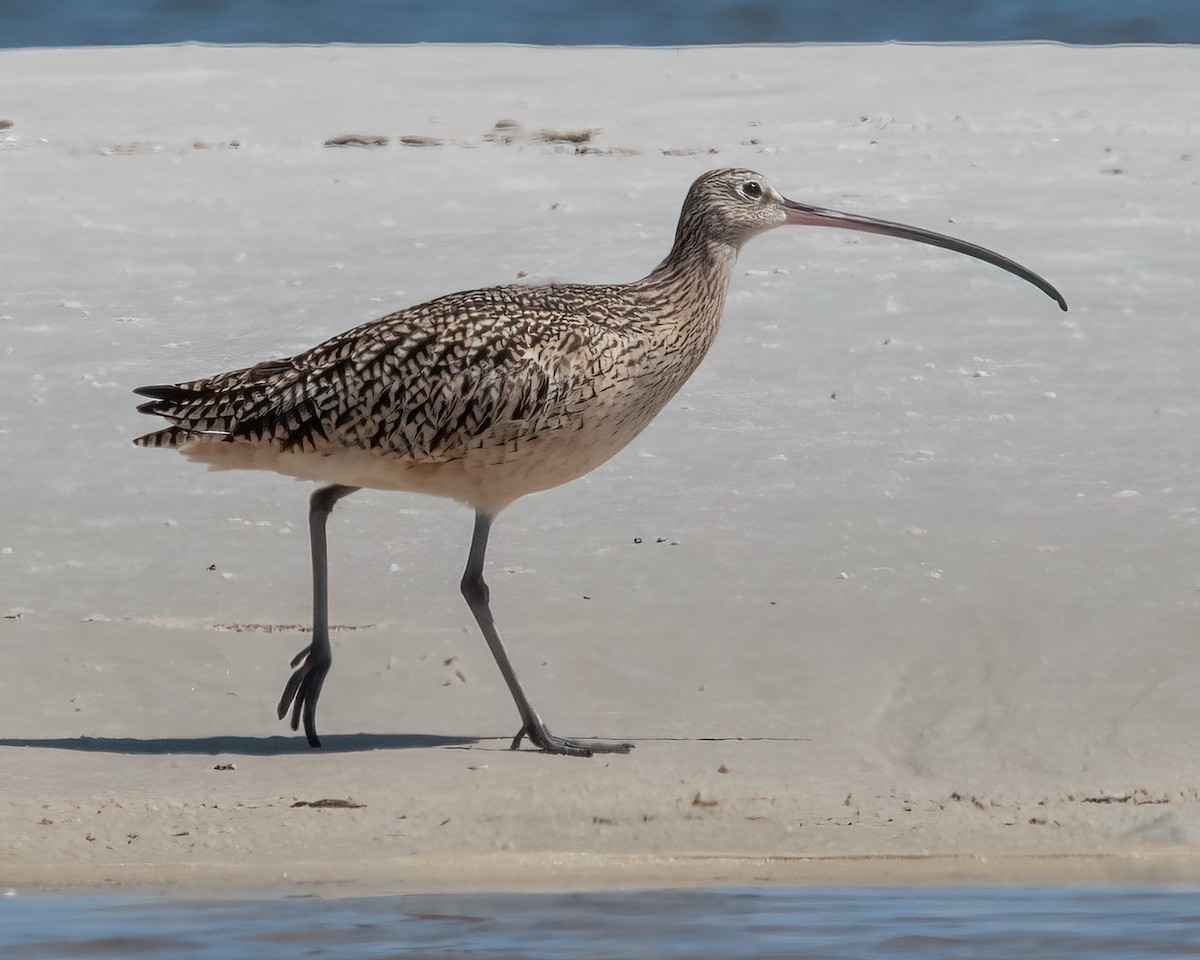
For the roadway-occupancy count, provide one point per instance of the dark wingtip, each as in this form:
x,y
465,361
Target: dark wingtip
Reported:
x,y
161,391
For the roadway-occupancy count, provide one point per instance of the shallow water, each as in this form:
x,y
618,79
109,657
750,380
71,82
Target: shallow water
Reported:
x,y
927,923
646,23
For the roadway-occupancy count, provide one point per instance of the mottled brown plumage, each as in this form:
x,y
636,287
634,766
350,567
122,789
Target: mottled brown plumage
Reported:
x,y
487,395
483,396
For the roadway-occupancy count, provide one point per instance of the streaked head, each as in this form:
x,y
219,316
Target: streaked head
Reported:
x,y
733,204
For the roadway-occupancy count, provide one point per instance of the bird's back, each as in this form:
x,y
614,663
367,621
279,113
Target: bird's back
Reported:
x,y
547,380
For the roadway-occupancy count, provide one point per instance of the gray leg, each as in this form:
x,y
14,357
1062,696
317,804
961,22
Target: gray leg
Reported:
x,y
304,686
476,593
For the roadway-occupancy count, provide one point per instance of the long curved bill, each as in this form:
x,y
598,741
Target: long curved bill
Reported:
x,y
804,214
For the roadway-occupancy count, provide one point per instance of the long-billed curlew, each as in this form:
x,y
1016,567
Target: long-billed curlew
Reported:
x,y
487,395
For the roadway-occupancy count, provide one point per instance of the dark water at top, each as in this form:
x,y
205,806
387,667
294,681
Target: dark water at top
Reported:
x,y
25,23
1064,923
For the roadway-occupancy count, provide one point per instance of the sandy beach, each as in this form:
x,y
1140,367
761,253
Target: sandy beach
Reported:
x,y
902,588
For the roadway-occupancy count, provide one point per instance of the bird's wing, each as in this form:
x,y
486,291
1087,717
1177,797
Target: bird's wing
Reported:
x,y
424,383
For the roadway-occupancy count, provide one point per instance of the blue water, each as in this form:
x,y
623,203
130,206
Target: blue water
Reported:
x,y
25,23
1044,923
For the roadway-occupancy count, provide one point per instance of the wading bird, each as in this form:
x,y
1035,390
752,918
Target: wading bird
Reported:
x,y
488,395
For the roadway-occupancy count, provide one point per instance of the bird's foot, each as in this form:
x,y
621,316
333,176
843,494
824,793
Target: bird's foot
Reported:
x,y
301,693
541,737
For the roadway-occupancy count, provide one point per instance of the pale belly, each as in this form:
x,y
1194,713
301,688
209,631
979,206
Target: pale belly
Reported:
x,y
490,473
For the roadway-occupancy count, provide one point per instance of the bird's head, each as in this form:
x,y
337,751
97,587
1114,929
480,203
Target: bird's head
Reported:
x,y
731,205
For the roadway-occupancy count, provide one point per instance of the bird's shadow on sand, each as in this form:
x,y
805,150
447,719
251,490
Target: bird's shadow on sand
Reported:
x,y
246,746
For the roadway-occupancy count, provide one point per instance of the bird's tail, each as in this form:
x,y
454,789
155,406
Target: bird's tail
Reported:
x,y
167,437
172,401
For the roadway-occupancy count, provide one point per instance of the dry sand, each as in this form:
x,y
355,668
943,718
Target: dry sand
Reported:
x,y
902,588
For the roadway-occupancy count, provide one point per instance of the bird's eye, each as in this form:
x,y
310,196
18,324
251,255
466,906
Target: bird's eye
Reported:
x,y
752,189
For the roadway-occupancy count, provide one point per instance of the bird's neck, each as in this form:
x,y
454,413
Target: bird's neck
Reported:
x,y
689,285
698,250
